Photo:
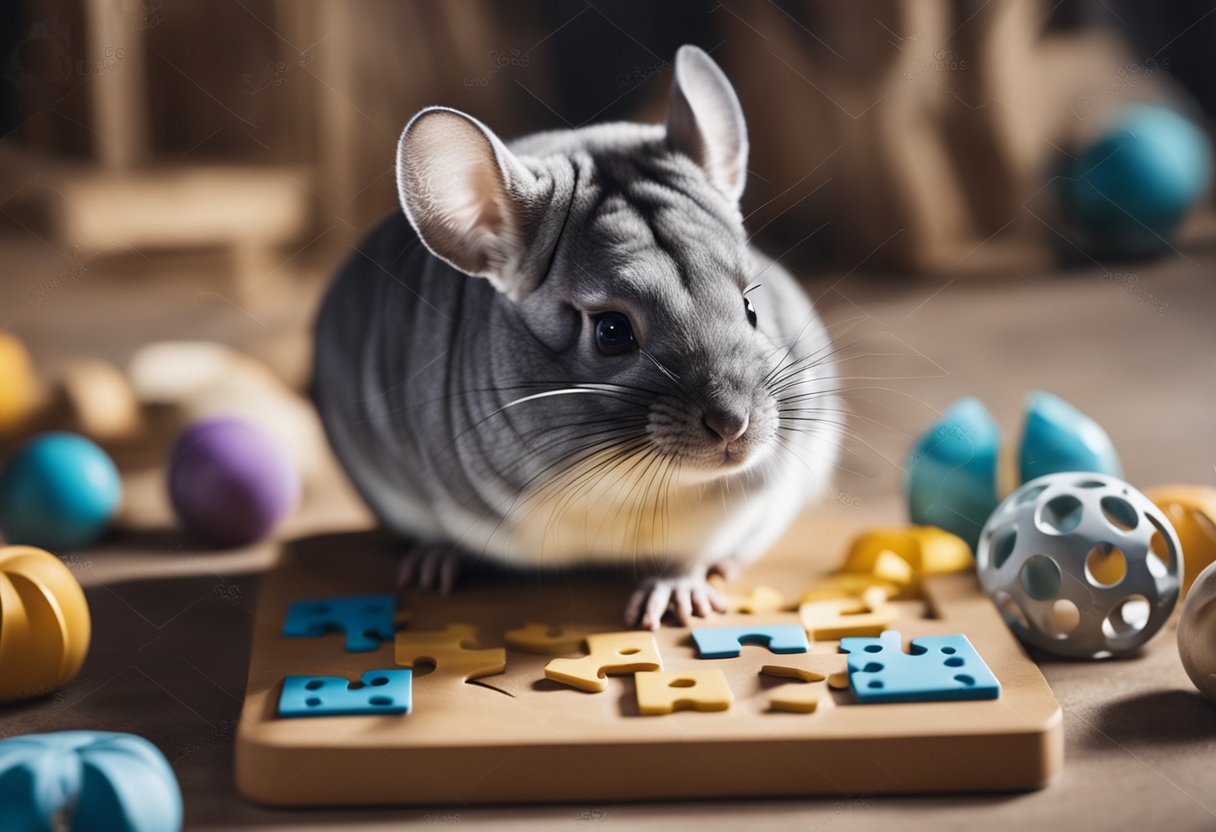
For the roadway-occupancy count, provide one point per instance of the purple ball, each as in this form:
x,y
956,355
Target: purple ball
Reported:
x,y
230,482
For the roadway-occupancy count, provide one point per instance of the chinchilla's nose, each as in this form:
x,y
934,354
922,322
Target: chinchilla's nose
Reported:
x,y
728,424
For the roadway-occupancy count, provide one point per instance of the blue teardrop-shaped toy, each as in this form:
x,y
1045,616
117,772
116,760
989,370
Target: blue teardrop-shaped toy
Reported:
x,y
1057,437
950,475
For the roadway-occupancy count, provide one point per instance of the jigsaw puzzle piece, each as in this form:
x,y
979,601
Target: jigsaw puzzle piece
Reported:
x,y
452,651
938,668
661,692
757,601
902,555
836,618
545,639
727,642
367,620
607,653
801,699
378,692
850,585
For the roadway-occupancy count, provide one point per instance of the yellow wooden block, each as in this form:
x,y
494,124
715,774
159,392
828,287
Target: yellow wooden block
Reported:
x,y
44,623
801,699
848,585
843,617
450,651
662,692
607,653
927,550
545,639
1191,510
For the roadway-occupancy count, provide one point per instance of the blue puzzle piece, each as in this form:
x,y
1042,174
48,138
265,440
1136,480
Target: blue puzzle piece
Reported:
x,y
377,692
727,642
939,669
367,620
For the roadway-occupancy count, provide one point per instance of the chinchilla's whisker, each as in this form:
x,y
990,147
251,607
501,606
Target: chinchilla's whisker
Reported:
x,y
675,378
832,348
618,433
644,394
568,464
812,361
534,397
584,482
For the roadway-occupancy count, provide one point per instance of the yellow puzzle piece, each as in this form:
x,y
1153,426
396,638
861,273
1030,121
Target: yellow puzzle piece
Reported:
x,y
662,692
545,639
449,650
843,617
607,653
757,601
848,585
1192,512
801,699
926,549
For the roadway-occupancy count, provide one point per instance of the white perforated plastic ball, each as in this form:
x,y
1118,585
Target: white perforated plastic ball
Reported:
x,y
1081,565
1197,632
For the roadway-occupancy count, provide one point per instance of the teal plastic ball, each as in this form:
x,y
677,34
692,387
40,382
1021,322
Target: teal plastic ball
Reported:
x,y
1130,191
58,491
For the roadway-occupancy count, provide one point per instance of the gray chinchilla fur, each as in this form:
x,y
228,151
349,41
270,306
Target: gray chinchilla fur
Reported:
x,y
558,353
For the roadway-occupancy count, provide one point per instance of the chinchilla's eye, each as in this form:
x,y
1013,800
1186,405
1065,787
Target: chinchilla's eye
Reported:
x,y
751,311
613,333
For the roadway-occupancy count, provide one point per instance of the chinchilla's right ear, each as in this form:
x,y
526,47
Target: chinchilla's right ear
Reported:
x,y
471,200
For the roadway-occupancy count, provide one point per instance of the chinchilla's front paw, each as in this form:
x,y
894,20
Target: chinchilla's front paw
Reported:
x,y
684,595
430,566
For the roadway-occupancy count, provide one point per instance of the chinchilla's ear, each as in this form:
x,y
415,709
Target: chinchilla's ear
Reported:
x,y
705,121
471,200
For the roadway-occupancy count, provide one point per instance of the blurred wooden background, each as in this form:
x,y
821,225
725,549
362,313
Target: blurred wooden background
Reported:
x,y
922,133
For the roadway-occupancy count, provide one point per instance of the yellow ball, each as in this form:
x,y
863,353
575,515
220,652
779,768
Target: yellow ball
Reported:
x,y
1192,511
44,623
18,384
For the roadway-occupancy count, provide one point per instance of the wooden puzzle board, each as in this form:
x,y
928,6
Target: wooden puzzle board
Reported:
x,y
518,737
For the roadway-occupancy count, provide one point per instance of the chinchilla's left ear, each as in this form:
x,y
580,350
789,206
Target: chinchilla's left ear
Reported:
x,y
471,200
705,121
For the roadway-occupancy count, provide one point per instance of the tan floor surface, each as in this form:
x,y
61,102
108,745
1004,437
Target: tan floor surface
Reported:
x,y
172,625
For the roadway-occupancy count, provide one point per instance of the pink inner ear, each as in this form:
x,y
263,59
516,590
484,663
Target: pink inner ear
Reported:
x,y
455,192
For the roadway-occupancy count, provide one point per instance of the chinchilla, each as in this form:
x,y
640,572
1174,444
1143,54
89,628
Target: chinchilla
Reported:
x,y
566,351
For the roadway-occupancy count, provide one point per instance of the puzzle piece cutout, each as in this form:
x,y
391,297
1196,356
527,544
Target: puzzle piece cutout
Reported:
x,y
451,651
836,618
800,699
367,620
727,642
661,692
938,669
545,639
607,653
378,692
